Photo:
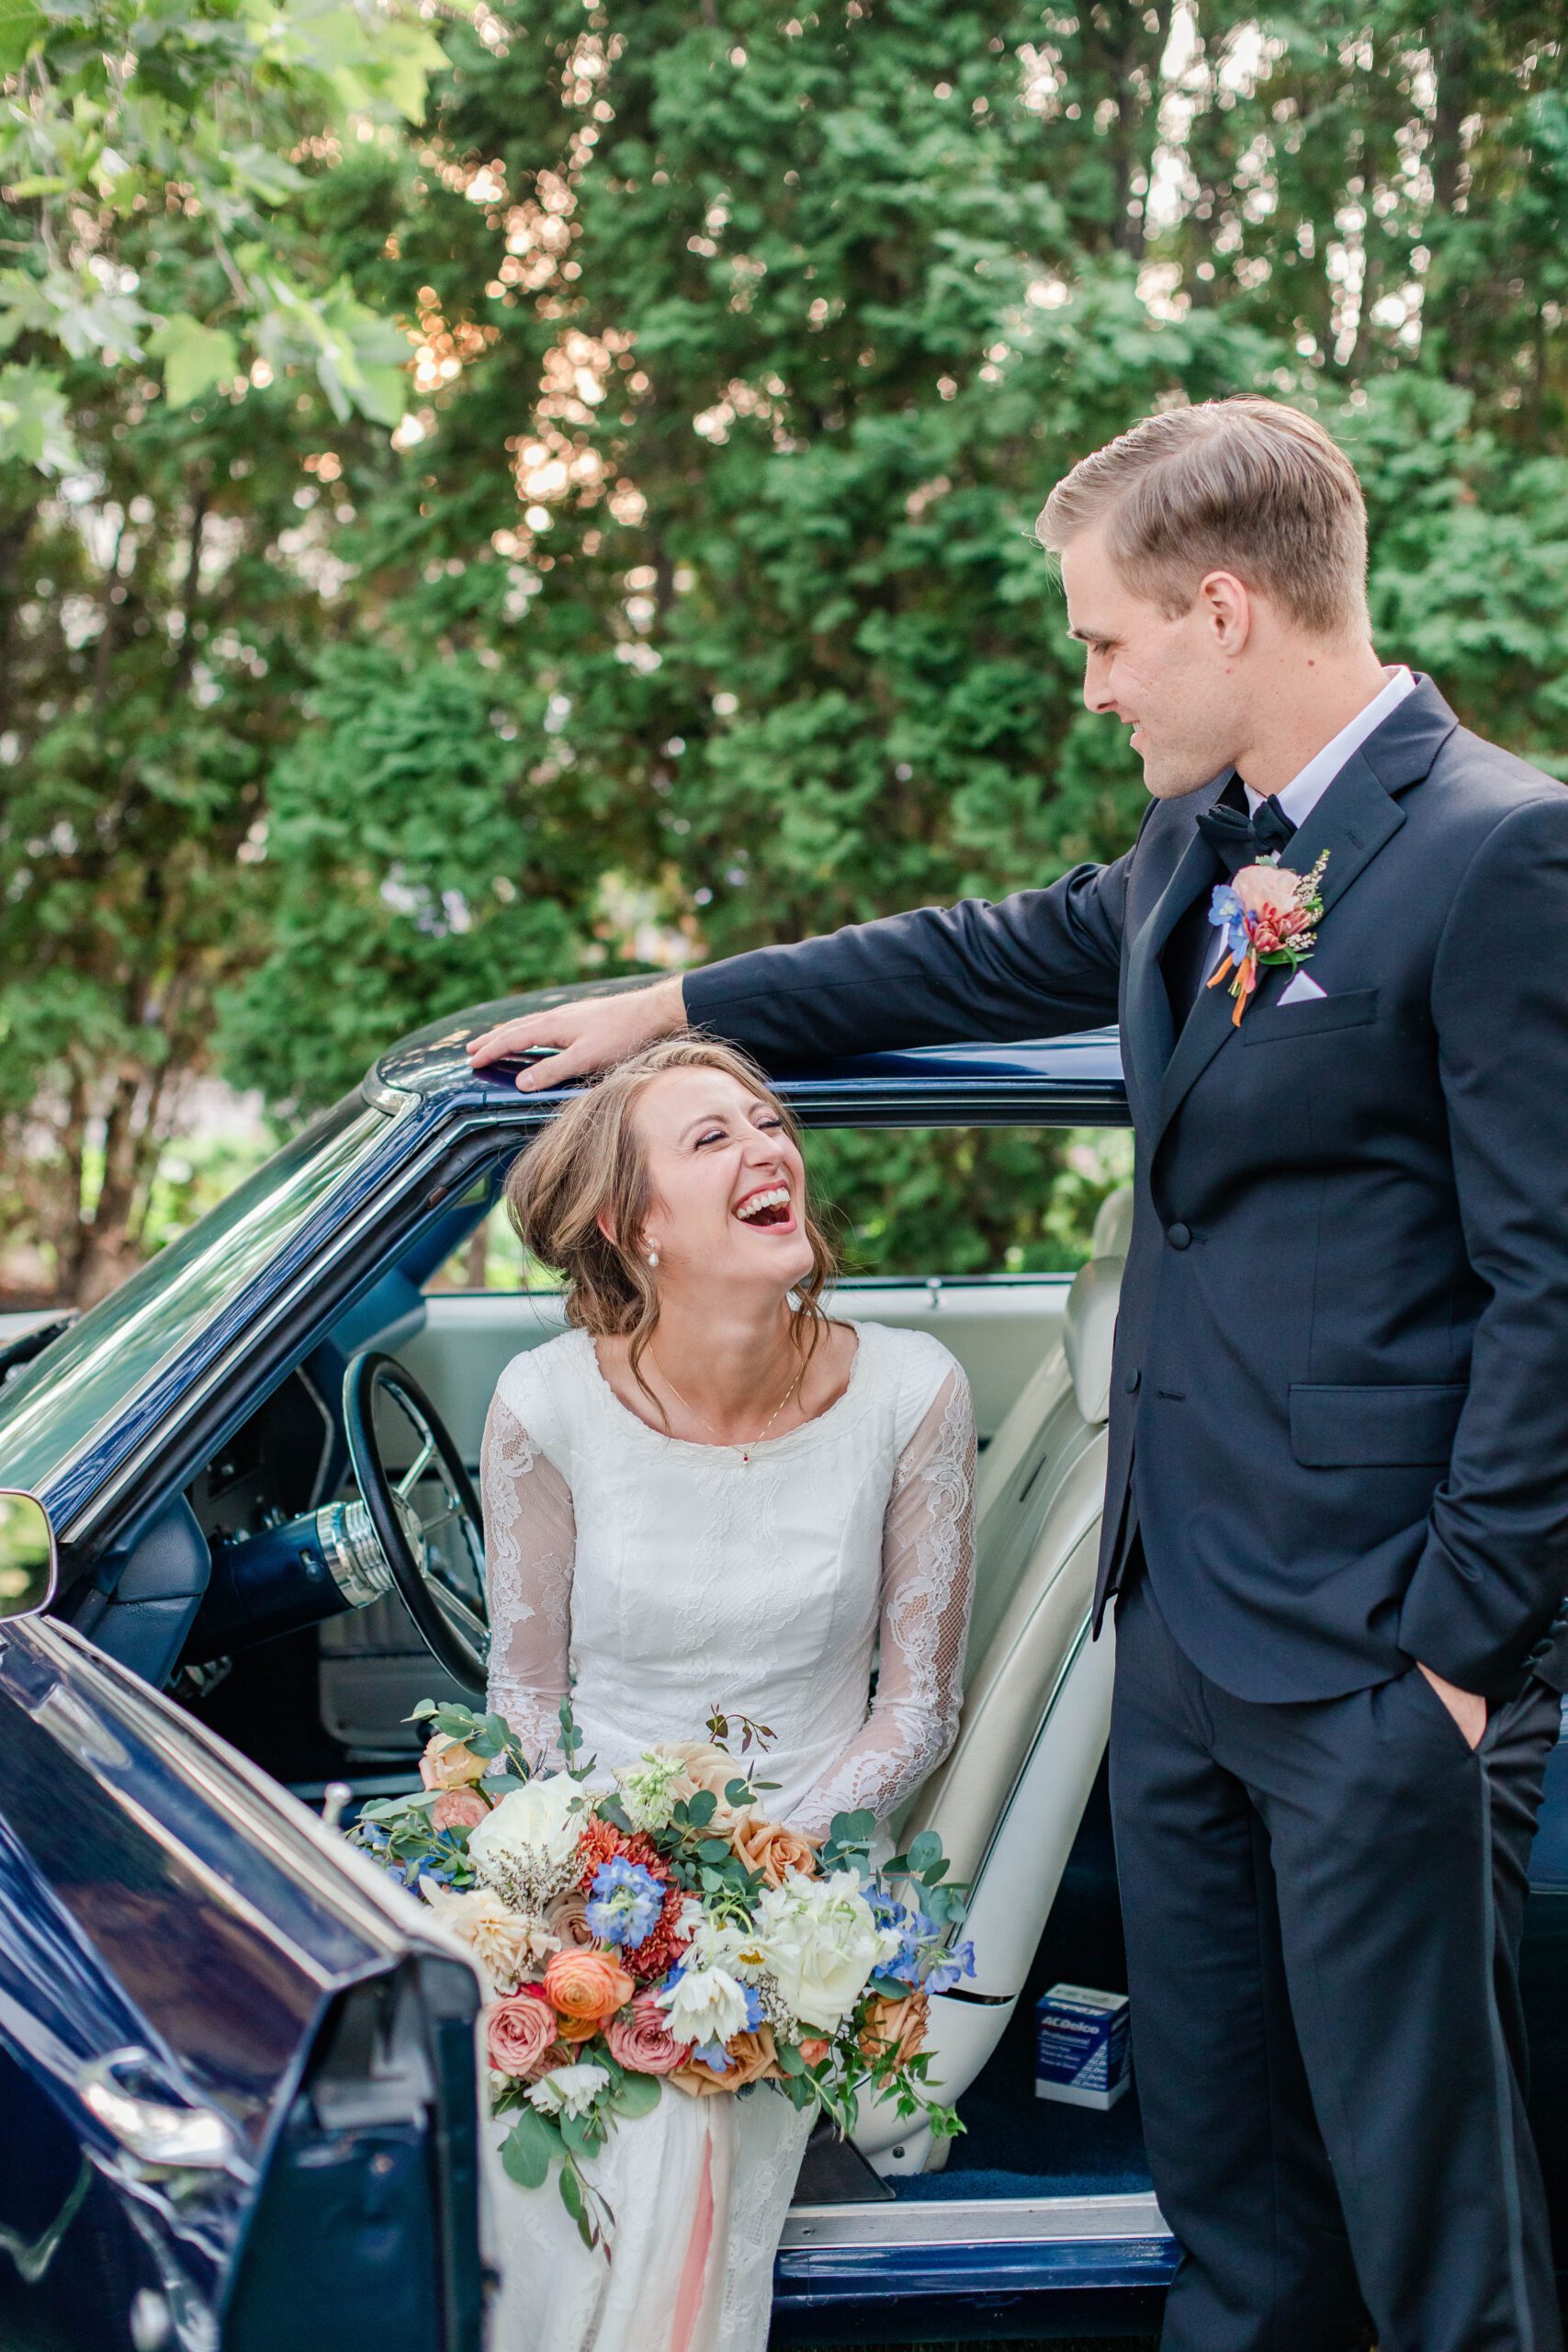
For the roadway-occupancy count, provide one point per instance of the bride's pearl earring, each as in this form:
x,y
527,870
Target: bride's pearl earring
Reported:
x,y
653,1256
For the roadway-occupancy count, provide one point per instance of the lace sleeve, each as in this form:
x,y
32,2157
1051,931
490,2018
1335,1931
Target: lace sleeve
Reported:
x,y
530,1545
928,1582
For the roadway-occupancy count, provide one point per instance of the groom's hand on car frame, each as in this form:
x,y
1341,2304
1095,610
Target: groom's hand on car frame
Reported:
x,y
582,1036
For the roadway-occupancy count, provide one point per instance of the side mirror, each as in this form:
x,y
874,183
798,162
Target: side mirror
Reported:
x,y
28,1558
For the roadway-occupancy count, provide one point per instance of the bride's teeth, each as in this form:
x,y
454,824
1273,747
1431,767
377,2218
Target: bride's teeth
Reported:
x,y
777,1198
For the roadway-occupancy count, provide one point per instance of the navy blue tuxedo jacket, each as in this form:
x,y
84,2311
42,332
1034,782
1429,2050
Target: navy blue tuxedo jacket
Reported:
x,y
1339,1412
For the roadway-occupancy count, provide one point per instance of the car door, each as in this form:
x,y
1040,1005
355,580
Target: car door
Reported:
x,y
236,2070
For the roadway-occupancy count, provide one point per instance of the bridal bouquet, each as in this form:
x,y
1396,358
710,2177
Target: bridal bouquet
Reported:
x,y
665,1933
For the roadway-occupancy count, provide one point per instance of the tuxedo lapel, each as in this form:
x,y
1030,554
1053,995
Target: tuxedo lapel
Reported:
x,y
1149,1031
1357,814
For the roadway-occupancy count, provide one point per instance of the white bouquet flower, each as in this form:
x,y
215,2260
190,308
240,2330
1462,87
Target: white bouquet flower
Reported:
x,y
821,1944
570,2090
706,2005
532,1830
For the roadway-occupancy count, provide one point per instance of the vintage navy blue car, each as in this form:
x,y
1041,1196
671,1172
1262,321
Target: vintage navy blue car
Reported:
x,y
236,2071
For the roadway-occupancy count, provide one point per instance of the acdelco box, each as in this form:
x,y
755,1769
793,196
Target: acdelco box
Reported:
x,y
1081,2054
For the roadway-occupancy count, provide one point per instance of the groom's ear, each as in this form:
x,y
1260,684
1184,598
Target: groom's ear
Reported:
x,y
1227,606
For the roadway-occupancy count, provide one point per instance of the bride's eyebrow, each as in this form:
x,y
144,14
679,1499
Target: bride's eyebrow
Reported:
x,y
707,1119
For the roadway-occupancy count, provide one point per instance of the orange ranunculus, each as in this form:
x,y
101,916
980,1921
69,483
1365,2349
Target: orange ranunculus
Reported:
x,y
586,1987
764,1846
815,2048
752,2058
447,1764
894,2027
575,2030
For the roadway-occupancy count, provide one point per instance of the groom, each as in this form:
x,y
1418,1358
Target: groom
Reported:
x,y
1337,1513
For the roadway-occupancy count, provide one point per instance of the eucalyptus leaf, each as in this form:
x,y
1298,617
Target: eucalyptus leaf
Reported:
x,y
636,2095
530,2148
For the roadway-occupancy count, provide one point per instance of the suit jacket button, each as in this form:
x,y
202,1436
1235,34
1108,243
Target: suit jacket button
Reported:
x,y
1130,1382
1178,1235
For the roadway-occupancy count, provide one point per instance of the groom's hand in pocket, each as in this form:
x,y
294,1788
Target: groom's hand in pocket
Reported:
x,y
584,1036
1467,1708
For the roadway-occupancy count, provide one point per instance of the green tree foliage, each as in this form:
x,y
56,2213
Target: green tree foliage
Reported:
x,y
771,334
151,170
182,190
701,605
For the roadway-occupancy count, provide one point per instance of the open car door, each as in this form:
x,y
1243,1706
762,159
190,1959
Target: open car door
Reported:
x,y
236,2070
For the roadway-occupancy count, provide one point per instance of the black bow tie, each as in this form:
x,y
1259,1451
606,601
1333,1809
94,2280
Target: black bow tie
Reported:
x,y
1239,839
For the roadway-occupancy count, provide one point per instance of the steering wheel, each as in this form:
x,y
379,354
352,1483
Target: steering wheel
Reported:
x,y
437,1560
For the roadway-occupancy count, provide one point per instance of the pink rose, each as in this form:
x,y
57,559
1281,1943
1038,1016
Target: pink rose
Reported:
x,y
457,1809
447,1764
1266,890
520,2031
640,2039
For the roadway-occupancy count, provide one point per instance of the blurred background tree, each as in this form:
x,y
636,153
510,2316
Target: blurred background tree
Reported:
x,y
695,601
180,324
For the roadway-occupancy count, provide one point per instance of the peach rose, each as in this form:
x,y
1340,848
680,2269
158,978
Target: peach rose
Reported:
x,y
447,1764
1266,890
897,2027
710,1768
764,1846
814,2049
457,1809
567,1919
640,2039
520,2032
752,2058
586,1987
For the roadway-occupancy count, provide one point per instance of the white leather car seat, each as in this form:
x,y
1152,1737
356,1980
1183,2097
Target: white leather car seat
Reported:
x,y
1008,1801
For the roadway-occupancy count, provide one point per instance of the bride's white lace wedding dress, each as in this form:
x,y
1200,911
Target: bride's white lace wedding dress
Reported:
x,y
660,1579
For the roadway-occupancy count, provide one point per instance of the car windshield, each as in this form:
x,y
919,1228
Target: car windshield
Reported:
x,y
53,1403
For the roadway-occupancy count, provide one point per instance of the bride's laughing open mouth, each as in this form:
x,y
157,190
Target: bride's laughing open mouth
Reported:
x,y
767,1209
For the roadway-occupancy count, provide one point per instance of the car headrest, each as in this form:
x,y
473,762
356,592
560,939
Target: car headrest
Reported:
x,y
1089,1327
1113,1225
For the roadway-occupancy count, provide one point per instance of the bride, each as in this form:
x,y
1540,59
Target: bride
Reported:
x,y
708,1495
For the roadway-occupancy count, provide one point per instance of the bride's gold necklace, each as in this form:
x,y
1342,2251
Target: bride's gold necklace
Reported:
x,y
744,1447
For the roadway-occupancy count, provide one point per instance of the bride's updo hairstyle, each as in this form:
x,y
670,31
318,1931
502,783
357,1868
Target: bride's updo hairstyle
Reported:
x,y
590,1164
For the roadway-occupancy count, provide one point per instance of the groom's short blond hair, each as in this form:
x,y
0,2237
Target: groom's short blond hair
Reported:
x,y
1248,486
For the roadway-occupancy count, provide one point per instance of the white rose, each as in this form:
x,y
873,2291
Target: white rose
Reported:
x,y
704,2005
821,1944
540,1821
568,2091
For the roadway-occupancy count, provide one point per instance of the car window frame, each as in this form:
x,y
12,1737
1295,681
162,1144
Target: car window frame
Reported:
x,y
444,1144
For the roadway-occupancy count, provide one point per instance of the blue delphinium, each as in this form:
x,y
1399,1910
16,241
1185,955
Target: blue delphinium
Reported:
x,y
922,1959
623,1902
953,1965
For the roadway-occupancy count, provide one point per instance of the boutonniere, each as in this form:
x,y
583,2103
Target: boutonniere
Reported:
x,y
1264,914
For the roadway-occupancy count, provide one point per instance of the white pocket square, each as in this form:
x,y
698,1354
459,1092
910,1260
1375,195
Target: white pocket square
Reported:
x,y
1301,990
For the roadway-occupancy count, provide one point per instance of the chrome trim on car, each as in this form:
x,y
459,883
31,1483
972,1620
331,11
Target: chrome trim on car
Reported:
x,y
977,2221
351,1550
